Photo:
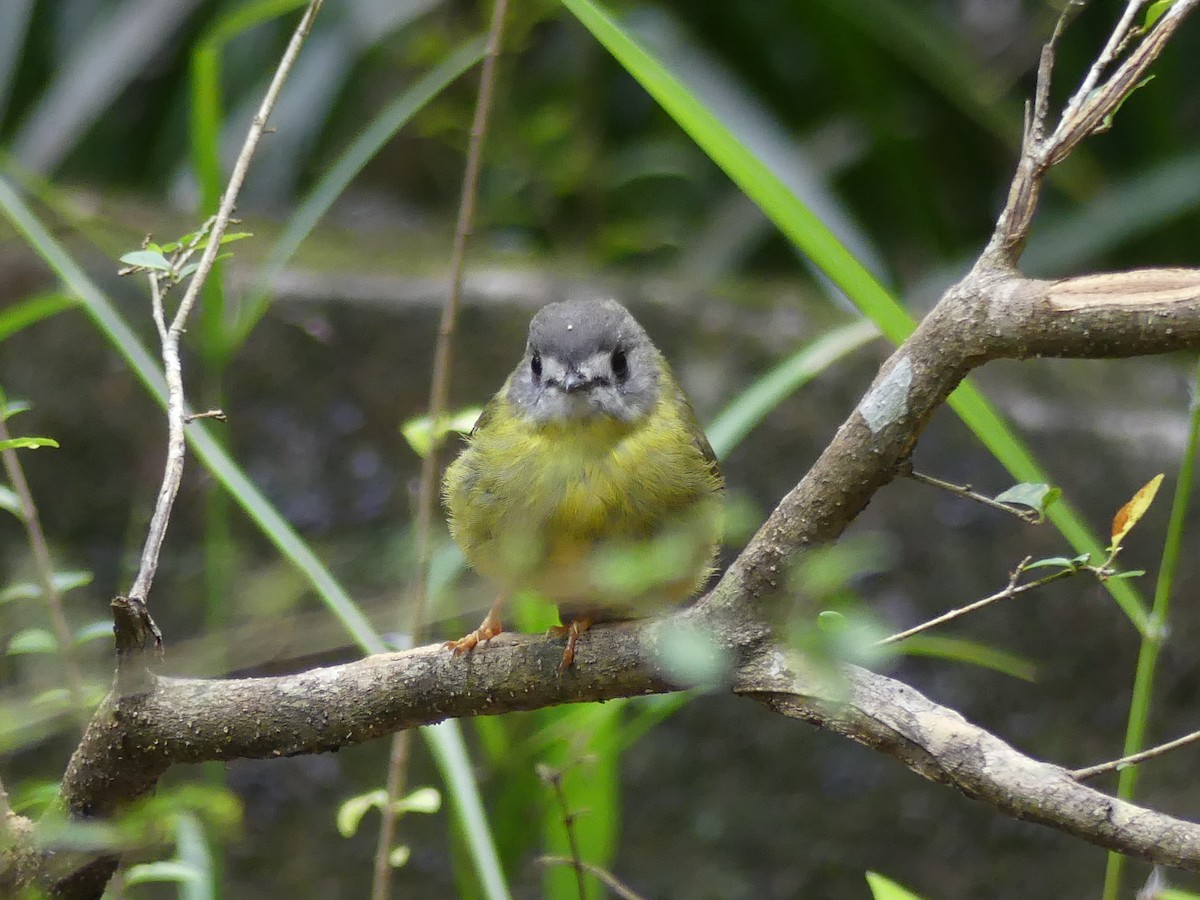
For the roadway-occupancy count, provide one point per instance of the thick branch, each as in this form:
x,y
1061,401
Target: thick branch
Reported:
x,y
941,745
132,741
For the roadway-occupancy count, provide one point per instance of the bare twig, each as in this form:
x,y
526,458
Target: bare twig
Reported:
x,y
1097,98
1012,590
607,878
216,414
1025,514
438,394
171,335
1134,758
44,567
554,778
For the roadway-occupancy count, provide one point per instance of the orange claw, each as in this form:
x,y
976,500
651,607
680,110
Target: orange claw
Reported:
x,y
572,631
488,629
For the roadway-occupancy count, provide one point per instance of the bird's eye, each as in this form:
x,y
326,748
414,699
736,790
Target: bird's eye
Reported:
x,y
535,365
620,365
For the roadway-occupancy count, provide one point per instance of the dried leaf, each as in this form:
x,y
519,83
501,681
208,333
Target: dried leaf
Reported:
x,y
1131,513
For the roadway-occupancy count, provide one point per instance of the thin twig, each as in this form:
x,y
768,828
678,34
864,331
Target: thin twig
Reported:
x,y
438,393
1116,41
606,877
1012,590
216,414
1031,516
554,778
1134,758
44,566
173,473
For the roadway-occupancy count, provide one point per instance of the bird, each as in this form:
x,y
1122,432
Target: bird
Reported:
x,y
587,478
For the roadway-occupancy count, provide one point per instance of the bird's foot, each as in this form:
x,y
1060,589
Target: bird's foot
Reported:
x,y
488,629
572,630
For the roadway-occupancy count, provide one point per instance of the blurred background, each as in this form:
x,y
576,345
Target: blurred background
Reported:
x,y
896,121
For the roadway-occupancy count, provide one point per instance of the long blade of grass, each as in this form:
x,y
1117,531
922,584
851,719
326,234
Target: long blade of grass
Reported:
x,y
445,740
32,309
362,150
751,406
808,233
1147,664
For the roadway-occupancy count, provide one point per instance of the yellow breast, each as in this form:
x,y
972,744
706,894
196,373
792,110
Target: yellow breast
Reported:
x,y
555,507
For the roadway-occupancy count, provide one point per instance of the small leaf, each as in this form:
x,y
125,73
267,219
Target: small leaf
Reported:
x,y
235,236
399,856
187,270
1131,513
54,699
27,443
12,407
32,640
21,590
32,309
166,870
419,431
94,632
831,621
350,813
1037,497
1132,573
1055,562
11,502
885,889
62,581
422,800
147,259
1154,12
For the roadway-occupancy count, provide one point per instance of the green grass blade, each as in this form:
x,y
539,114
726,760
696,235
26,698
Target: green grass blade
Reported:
x,y
361,151
445,743
32,309
808,233
749,408
972,653
1147,664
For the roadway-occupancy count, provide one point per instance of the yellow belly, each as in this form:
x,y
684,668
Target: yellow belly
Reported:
x,y
587,512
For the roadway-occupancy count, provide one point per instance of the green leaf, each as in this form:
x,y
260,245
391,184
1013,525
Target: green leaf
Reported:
x,y
147,259
750,407
32,640
62,582
351,812
831,621
422,800
12,407
972,653
419,431
691,657
1037,497
27,443
399,856
1154,12
1132,573
235,236
1053,562
885,889
164,871
32,309
10,502
93,632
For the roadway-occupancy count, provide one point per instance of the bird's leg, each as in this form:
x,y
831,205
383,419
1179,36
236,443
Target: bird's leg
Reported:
x,y
572,630
488,629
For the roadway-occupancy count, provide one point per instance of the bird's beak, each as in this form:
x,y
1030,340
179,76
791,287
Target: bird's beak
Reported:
x,y
573,381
